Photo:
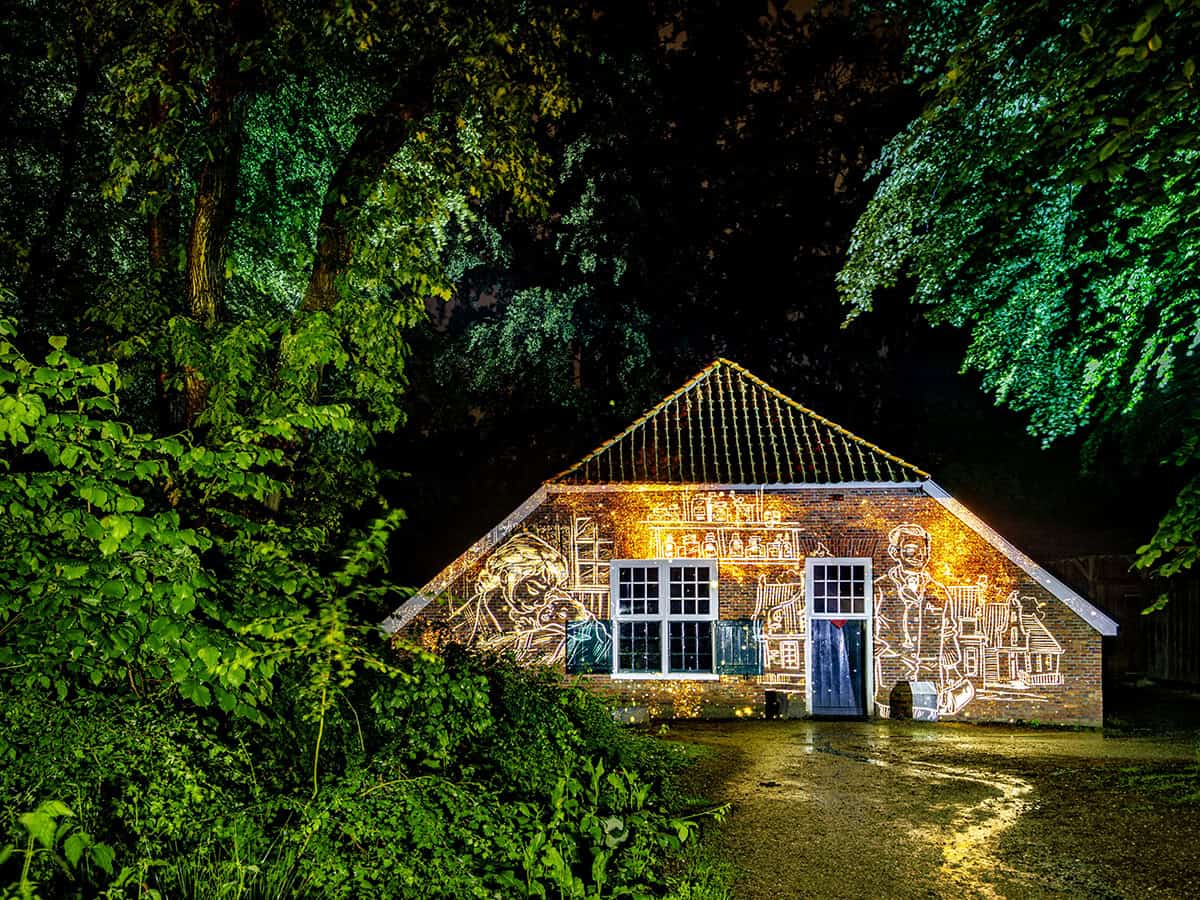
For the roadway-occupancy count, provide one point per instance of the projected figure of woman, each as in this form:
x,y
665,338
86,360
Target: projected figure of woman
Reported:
x,y
520,603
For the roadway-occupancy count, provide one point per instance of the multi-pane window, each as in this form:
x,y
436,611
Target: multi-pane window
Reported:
x,y
838,588
637,590
639,647
664,638
690,589
691,646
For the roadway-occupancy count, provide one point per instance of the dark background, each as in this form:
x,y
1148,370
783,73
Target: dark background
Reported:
x,y
727,151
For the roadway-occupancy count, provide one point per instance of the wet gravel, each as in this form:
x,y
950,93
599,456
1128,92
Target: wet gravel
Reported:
x,y
892,809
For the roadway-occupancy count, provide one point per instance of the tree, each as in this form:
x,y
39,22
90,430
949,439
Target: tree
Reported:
x,y
246,206
1046,199
714,164
717,151
276,189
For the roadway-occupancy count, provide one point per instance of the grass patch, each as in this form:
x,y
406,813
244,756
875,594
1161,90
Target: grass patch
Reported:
x,y
700,873
1179,786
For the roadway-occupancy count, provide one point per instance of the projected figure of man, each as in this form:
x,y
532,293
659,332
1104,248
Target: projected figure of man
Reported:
x,y
916,635
520,603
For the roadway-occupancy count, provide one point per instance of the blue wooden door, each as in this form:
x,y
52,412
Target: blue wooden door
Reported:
x,y
838,666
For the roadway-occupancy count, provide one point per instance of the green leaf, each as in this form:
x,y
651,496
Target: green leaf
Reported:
x,y
96,496
74,846
1142,29
182,605
210,656
118,526
180,668
74,571
58,342
42,823
103,855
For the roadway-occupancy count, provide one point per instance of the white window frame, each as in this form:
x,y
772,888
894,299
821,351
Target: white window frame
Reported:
x,y
663,616
867,616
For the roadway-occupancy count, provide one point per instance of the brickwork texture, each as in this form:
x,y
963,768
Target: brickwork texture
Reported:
x,y
940,603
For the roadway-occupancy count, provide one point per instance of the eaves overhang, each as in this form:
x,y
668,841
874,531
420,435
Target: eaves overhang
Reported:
x,y
408,610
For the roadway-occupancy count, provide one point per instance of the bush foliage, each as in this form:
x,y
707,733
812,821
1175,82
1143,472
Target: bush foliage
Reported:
x,y
526,789
190,710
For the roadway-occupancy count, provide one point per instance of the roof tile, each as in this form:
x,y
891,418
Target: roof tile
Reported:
x,y
727,426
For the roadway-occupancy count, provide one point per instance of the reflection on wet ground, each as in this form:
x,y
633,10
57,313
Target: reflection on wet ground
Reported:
x,y
874,809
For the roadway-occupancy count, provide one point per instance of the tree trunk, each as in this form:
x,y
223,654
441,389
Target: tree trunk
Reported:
x,y
208,237
162,225
378,141
160,234
39,276
216,193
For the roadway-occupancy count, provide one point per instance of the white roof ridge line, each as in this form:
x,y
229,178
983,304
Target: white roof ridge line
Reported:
x,y
410,608
1077,604
555,487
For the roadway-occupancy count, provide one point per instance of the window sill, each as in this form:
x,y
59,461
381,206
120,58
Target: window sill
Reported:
x,y
668,676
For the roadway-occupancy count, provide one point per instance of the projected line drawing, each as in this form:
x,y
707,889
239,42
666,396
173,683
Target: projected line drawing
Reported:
x,y
520,602
779,606
731,526
973,641
916,631
1007,648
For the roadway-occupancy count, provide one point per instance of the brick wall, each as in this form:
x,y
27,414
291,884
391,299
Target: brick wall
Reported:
x,y
1016,652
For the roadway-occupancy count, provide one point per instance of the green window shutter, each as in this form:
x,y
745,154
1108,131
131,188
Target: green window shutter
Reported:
x,y
589,647
739,647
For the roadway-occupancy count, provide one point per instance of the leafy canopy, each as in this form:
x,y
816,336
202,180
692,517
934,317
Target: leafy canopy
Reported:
x,y
1046,198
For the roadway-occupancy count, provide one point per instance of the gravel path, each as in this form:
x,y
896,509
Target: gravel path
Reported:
x,y
889,809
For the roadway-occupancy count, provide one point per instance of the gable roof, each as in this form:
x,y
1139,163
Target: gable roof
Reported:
x,y
727,426
1086,611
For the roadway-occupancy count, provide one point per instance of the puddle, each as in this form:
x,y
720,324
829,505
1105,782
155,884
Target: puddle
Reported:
x,y
863,809
968,845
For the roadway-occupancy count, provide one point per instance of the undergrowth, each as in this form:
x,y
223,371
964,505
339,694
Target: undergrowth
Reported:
x,y
458,777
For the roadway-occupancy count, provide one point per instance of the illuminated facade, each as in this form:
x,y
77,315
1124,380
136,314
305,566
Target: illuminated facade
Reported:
x,y
732,545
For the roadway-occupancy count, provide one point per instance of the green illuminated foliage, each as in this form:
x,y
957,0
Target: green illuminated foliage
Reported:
x,y
130,560
236,211
251,203
1046,200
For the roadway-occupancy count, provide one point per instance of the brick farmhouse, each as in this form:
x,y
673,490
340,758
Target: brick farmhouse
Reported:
x,y
732,553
